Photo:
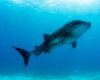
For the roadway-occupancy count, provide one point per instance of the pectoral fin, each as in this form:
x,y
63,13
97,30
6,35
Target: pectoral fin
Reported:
x,y
74,44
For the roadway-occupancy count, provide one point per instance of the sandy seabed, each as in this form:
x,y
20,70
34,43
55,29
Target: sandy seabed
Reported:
x,y
70,77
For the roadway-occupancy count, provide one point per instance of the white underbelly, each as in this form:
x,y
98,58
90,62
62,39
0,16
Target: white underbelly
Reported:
x,y
63,40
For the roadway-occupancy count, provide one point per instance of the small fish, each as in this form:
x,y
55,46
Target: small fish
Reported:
x,y
67,34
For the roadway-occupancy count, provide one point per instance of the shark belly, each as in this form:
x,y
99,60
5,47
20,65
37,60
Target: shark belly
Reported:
x,y
59,42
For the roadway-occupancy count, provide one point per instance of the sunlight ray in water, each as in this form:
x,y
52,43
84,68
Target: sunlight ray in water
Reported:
x,y
62,5
17,1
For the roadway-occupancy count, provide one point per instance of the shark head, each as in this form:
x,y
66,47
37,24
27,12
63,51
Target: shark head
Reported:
x,y
77,23
80,24
79,27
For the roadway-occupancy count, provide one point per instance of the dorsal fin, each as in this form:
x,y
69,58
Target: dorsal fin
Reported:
x,y
74,44
45,36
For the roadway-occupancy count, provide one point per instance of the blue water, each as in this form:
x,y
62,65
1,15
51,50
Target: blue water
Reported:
x,y
23,26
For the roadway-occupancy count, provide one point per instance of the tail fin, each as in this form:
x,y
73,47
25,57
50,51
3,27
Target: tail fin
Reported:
x,y
25,54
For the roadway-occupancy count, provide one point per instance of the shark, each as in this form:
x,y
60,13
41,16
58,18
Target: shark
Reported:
x,y
69,33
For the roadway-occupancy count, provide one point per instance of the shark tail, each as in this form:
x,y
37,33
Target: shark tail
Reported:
x,y
25,54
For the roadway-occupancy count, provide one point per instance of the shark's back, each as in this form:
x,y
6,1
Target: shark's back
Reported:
x,y
75,27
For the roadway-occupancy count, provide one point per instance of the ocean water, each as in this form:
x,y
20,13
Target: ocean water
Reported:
x,y
22,24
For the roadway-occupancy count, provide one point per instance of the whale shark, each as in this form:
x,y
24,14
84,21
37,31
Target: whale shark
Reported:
x,y
67,34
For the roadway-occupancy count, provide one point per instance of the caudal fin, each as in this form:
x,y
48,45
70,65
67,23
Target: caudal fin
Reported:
x,y
25,54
